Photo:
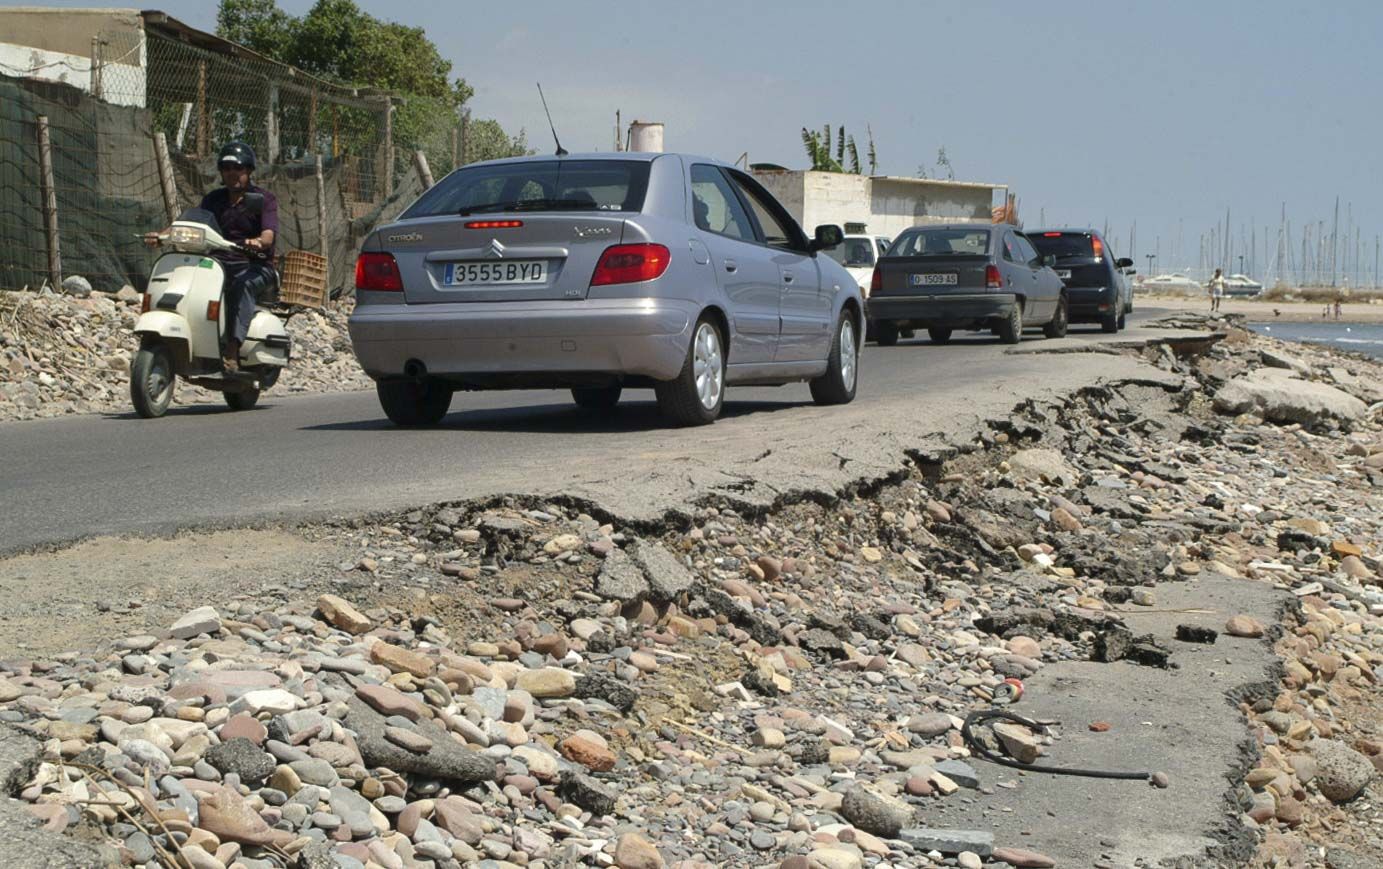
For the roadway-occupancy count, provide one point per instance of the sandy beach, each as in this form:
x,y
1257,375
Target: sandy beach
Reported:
x,y
1266,311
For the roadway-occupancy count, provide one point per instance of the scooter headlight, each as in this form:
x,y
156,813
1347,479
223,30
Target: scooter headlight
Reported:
x,y
181,236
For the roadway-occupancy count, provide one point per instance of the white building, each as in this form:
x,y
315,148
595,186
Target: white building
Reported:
x,y
86,48
878,204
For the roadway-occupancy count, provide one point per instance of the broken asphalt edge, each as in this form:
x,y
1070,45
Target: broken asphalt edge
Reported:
x,y
22,841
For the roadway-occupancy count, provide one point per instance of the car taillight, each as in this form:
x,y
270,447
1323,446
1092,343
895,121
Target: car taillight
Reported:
x,y
1051,235
992,280
1097,246
630,263
377,272
876,281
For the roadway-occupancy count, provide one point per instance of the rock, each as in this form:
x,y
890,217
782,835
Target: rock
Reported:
x,y
949,841
1063,519
587,792
1341,772
447,761
1025,646
1280,396
353,810
202,620
832,857
409,740
341,614
273,700
1355,568
76,285
1042,465
621,579
666,575
959,772
245,727
388,701
401,660
547,682
601,686
242,757
929,724
1196,634
225,814
633,851
1274,359
1018,741
874,812
581,748
1244,626
1022,858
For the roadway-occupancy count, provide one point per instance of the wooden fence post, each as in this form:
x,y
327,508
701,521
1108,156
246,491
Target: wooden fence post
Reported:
x,y
455,155
165,176
424,171
321,208
203,122
271,125
50,204
388,148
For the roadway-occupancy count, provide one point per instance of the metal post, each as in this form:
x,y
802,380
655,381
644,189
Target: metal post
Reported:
x,y
50,203
165,176
203,122
271,125
424,171
455,154
321,205
465,124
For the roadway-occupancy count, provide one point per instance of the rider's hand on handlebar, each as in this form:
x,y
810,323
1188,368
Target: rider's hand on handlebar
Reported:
x,y
253,244
151,239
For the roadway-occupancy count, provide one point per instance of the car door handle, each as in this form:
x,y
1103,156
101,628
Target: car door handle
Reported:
x,y
787,277
731,265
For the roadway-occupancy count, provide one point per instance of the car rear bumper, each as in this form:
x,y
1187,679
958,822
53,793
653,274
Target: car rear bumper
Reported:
x,y
942,310
1090,303
491,344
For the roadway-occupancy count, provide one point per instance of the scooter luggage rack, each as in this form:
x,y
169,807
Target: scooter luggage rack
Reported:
x,y
304,281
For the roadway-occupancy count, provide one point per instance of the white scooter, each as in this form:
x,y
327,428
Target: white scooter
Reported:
x,y
182,320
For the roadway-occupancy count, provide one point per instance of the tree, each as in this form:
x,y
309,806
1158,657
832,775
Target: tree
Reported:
x,y
818,147
943,166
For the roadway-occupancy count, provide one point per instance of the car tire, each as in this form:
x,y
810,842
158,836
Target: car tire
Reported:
x,y
1123,322
939,334
837,385
1061,319
1110,324
886,333
1011,327
596,397
696,395
241,400
152,380
410,404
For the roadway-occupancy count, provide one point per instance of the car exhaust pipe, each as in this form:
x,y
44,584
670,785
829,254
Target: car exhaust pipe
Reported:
x,y
414,369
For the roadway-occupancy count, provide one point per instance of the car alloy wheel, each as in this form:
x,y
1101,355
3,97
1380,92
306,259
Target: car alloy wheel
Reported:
x,y
849,357
707,366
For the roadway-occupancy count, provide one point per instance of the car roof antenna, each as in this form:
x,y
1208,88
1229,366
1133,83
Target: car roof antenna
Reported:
x,y
561,152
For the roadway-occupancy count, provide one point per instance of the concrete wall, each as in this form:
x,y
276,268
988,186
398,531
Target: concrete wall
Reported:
x,y
55,45
887,206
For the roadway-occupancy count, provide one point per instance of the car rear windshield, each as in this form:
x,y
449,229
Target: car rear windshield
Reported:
x,y
1062,245
853,252
538,185
941,242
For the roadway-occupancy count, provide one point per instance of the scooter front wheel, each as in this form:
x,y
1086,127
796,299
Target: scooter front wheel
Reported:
x,y
152,380
242,400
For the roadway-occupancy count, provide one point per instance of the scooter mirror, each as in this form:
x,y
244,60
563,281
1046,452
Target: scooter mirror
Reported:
x,y
254,202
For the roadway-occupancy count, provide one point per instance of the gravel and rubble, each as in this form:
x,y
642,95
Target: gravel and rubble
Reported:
x,y
61,354
518,683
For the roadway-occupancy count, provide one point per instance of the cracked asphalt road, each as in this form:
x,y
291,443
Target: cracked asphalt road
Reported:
x,y
296,458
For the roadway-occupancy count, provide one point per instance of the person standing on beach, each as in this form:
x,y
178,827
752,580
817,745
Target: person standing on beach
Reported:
x,y
1217,290
1337,309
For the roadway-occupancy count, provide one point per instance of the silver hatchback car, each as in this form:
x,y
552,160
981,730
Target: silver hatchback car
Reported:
x,y
597,273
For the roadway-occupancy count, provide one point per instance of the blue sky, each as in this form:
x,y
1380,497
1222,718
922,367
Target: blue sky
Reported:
x,y
1154,112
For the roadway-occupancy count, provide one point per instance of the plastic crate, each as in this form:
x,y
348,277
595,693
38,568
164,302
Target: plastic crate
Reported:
x,y
304,279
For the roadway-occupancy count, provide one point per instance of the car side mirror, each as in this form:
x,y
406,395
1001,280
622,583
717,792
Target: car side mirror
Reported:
x,y
1123,262
1049,260
254,203
827,236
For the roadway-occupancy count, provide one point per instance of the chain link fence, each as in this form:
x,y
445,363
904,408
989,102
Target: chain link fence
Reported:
x,y
85,170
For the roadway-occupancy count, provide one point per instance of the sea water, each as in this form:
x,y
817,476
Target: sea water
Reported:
x,y
1356,337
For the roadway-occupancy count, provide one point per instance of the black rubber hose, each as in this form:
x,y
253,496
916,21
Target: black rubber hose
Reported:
x,y
982,715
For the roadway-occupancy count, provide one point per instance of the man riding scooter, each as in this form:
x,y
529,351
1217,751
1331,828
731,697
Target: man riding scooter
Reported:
x,y
248,279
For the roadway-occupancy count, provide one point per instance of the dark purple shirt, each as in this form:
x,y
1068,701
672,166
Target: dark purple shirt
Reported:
x,y
238,224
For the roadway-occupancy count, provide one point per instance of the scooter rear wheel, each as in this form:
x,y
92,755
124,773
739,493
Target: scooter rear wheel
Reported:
x,y
242,400
152,380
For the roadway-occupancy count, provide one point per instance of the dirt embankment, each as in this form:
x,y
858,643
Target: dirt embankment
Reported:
x,y
541,684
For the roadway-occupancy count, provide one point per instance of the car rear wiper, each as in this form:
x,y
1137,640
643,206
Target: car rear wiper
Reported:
x,y
528,205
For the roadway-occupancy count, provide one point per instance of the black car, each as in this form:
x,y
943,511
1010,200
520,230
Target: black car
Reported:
x,y
1095,281
965,276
